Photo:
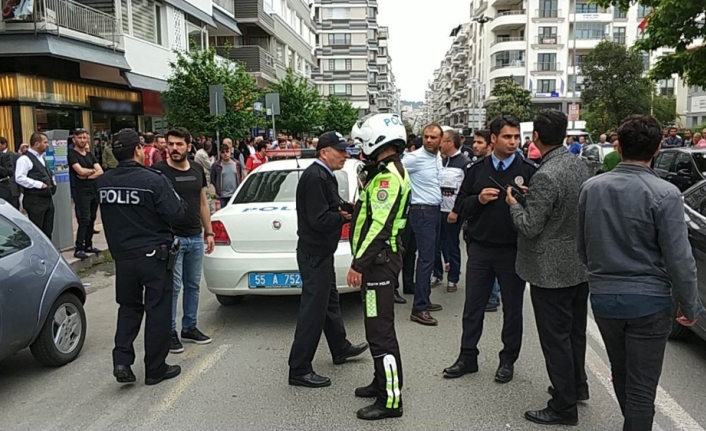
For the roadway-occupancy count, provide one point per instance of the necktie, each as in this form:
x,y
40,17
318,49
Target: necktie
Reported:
x,y
501,166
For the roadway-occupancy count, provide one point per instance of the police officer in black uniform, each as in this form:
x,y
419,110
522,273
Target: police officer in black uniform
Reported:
x,y
492,248
138,204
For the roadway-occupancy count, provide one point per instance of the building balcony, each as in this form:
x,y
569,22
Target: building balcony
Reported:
x,y
252,12
588,15
508,44
506,69
588,43
255,59
71,19
551,41
548,15
511,19
547,68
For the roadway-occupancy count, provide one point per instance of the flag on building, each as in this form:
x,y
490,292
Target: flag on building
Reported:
x,y
644,23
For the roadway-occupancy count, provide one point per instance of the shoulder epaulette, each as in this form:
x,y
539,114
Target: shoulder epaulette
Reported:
x,y
531,163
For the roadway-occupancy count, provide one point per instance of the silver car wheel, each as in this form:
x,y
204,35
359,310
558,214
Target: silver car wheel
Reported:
x,y
67,328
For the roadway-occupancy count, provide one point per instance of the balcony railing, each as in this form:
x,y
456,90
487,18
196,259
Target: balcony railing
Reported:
x,y
547,67
502,39
254,58
228,5
511,12
514,63
75,16
547,40
619,39
547,13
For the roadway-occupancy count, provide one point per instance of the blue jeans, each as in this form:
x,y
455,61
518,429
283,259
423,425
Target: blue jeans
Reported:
x,y
494,300
450,247
425,223
187,274
224,201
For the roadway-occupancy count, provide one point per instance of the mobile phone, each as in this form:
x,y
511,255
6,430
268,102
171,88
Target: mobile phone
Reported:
x,y
345,206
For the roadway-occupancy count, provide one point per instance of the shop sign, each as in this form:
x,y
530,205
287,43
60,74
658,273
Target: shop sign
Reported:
x,y
112,106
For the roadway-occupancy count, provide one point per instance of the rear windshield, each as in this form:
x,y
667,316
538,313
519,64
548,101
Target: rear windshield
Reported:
x,y
280,186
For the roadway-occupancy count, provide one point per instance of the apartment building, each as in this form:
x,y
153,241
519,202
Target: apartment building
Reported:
x,y
388,98
541,45
347,52
100,64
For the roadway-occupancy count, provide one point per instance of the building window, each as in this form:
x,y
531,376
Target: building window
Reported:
x,y
342,64
546,85
280,52
371,35
340,89
619,35
509,58
372,13
268,6
589,30
339,39
578,60
196,36
339,13
586,8
300,64
619,14
643,11
290,59
142,19
548,8
546,62
666,87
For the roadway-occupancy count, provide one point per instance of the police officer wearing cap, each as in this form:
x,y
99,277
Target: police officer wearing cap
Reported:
x,y
138,205
321,214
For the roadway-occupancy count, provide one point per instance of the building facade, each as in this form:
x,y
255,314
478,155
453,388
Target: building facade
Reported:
x,y
347,51
102,66
388,98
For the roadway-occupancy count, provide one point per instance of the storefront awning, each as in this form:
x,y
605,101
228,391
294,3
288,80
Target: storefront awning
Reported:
x,y
193,11
142,82
226,21
63,47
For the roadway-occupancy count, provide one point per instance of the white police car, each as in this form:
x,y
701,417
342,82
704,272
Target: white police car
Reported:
x,y
256,234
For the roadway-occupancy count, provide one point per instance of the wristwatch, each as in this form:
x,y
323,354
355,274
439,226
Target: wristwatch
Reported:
x,y
209,234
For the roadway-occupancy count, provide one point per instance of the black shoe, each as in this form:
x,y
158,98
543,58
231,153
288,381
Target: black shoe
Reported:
x,y
92,250
96,232
376,412
176,346
491,308
124,374
505,373
434,307
351,352
399,299
580,395
548,416
80,254
460,368
369,391
193,335
172,371
311,380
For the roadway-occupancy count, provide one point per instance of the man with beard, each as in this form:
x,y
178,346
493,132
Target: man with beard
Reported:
x,y
38,184
84,170
189,181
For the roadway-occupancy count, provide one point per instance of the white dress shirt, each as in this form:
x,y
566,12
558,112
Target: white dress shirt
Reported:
x,y
22,168
425,172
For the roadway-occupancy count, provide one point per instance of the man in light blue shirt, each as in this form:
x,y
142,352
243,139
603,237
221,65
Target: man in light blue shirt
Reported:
x,y
425,171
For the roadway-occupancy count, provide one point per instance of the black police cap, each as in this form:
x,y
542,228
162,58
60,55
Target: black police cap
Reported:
x,y
126,138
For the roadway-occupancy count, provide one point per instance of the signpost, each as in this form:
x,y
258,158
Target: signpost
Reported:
x,y
217,105
272,106
574,112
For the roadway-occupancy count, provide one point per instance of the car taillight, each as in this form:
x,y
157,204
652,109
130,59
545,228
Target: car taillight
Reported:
x,y
345,231
220,234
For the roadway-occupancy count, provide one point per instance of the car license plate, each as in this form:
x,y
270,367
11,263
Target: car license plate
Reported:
x,y
270,280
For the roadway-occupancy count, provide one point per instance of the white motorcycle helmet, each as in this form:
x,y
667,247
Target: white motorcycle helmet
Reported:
x,y
375,131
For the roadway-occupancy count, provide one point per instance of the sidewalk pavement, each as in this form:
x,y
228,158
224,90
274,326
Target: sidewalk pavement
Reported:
x,y
98,242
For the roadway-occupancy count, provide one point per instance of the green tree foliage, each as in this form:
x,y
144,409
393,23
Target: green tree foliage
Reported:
x,y
614,86
339,115
301,105
674,24
186,101
664,108
408,127
511,99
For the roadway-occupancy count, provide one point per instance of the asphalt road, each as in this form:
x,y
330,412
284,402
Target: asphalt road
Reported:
x,y
239,382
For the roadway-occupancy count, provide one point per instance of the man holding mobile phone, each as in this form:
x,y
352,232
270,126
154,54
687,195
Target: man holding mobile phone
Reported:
x,y
320,219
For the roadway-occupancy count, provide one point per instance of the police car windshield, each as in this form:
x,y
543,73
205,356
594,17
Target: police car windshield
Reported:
x,y
280,186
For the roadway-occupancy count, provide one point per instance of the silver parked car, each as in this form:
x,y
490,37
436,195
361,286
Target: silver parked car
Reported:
x,y
41,298
594,155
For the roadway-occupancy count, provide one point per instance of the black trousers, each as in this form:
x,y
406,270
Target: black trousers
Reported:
x,y
636,351
561,316
319,310
135,279
484,265
409,244
378,289
6,194
86,204
40,211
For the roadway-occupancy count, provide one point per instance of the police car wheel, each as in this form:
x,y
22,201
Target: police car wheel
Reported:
x,y
229,301
61,338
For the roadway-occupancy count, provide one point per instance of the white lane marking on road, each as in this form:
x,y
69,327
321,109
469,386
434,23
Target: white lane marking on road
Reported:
x,y
185,380
667,405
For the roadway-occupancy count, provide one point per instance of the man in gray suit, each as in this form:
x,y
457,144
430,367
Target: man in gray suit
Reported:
x,y
547,258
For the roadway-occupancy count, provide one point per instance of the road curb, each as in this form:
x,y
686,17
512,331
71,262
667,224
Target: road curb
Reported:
x,y
92,260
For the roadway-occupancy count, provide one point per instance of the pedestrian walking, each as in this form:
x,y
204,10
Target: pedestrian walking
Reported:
x,y
145,253
38,184
320,218
492,248
424,168
633,239
548,260
192,230
226,174
379,218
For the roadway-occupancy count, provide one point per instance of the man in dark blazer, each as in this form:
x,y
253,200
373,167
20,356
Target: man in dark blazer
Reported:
x,y
547,258
8,188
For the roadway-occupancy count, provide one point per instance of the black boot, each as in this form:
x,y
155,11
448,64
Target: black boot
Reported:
x,y
376,412
370,391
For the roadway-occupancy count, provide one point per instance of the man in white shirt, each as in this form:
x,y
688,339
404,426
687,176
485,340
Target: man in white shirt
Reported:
x,y
424,168
37,181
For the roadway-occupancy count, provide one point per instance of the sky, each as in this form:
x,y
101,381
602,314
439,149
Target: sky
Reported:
x,y
419,38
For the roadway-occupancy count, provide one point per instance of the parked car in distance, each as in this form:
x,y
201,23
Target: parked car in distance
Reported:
x,y
594,155
682,167
41,298
695,214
